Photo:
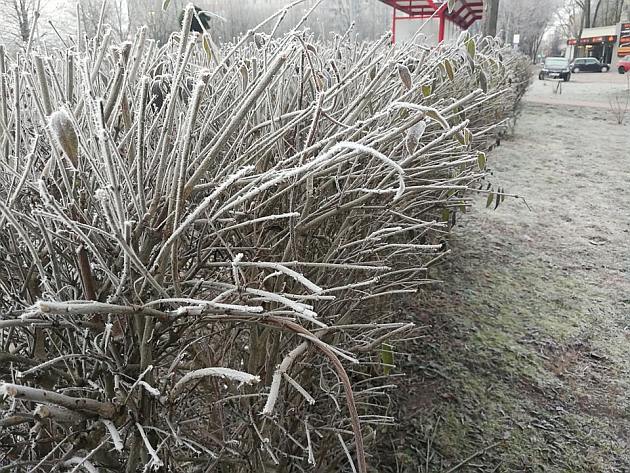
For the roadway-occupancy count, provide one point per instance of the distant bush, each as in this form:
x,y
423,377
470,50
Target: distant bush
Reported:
x,y
620,103
201,245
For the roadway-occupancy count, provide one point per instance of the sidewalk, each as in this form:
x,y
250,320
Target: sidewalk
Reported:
x,y
583,90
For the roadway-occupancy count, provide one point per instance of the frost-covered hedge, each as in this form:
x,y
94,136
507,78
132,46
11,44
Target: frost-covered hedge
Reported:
x,y
201,246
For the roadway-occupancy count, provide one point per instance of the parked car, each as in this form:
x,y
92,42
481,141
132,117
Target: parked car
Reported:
x,y
623,65
589,64
556,68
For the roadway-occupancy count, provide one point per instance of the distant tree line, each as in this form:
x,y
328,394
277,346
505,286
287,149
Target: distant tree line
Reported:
x,y
576,15
530,19
56,23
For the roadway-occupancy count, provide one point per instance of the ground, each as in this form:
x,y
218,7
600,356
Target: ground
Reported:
x,y
523,359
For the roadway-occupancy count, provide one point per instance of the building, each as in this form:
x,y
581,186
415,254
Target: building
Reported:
x,y
605,43
443,23
623,48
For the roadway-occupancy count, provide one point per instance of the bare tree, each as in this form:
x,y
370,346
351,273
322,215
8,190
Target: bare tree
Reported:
x,y
18,18
569,19
160,23
371,18
113,12
346,12
586,13
492,15
576,15
608,12
529,18
555,42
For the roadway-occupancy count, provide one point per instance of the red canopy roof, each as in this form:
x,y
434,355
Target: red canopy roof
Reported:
x,y
464,12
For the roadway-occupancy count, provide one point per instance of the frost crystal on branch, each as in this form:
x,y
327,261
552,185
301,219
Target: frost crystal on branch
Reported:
x,y
213,280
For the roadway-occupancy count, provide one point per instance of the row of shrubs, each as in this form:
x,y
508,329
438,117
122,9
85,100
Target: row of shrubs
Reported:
x,y
202,245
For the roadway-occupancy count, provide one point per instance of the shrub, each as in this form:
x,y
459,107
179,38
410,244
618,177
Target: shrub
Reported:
x,y
202,246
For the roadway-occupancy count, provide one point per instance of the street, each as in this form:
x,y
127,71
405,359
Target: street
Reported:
x,y
584,89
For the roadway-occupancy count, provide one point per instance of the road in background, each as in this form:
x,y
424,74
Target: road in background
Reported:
x,y
585,89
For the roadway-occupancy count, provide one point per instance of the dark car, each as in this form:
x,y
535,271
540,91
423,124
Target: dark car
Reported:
x,y
556,68
589,64
623,65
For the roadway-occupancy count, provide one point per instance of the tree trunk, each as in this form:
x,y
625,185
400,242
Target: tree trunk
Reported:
x,y
22,14
618,10
492,15
587,13
599,3
536,47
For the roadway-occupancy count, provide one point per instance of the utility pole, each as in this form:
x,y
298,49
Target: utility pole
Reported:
x,y
492,15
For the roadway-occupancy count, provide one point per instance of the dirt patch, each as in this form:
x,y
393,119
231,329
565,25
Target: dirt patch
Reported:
x,y
525,364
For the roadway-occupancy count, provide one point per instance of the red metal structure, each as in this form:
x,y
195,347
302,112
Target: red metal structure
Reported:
x,y
463,12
